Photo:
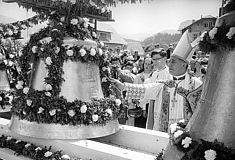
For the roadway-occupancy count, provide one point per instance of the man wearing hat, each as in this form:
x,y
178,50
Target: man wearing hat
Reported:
x,y
182,81
178,67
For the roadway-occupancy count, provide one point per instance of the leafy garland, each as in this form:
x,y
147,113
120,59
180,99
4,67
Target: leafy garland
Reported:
x,y
46,106
197,150
6,98
32,151
78,7
7,64
14,29
220,36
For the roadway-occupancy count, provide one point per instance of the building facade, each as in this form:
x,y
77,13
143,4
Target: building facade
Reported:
x,y
197,27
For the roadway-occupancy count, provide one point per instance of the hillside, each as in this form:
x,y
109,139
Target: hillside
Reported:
x,y
164,39
5,19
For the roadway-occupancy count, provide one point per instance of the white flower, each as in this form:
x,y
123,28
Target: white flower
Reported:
x,y
24,112
182,121
40,110
38,148
46,40
210,154
73,1
92,52
48,94
48,61
5,61
74,21
69,52
20,82
109,111
173,127
10,98
42,49
118,102
29,102
95,117
26,90
65,157
54,30
71,113
18,141
94,35
52,112
10,63
103,10
11,55
83,108
20,53
57,50
213,32
178,133
85,22
48,154
102,44
0,98
10,32
186,142
104,79
34,49
83,52
9,138
231,32
62,19
27,145
48,87
19,86
100,51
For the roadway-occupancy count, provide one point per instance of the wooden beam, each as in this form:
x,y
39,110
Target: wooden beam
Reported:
x,y
130,143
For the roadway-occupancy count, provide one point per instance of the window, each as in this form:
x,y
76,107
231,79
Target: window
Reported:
x,y
194,36
189,29
210,24
205,25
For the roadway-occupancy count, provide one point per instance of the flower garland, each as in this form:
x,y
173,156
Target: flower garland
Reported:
x,y
32,151
14,29
6,98
79,7
222,36
40,107
46,106
197,150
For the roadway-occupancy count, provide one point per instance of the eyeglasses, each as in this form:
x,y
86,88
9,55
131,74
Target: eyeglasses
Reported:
x,y
157,59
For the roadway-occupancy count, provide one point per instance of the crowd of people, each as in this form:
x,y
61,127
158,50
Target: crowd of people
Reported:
x,y
137,76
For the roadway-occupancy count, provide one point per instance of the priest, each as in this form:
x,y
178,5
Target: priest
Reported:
x,y
179,87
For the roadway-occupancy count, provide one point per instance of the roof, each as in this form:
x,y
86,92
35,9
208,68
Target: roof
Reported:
x,y
104,27
188,23
135,46
185,24
5,19
115,37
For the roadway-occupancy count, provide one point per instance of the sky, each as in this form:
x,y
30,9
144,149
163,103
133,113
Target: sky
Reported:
x,y
145,18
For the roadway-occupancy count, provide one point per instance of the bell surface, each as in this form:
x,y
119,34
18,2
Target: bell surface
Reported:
x,y
215,116
81,81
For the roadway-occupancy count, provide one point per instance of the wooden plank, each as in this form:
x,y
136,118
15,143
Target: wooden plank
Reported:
x,y
7,154
85,149
138,139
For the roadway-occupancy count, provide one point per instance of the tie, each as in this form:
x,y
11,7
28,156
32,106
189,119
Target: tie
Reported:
x,y
179,78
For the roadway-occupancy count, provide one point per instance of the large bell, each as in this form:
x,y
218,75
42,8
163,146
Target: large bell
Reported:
x,y
81,80
215,115
4,82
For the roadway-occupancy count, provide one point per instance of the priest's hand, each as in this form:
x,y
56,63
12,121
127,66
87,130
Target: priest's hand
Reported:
x,y
170,83
117,83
